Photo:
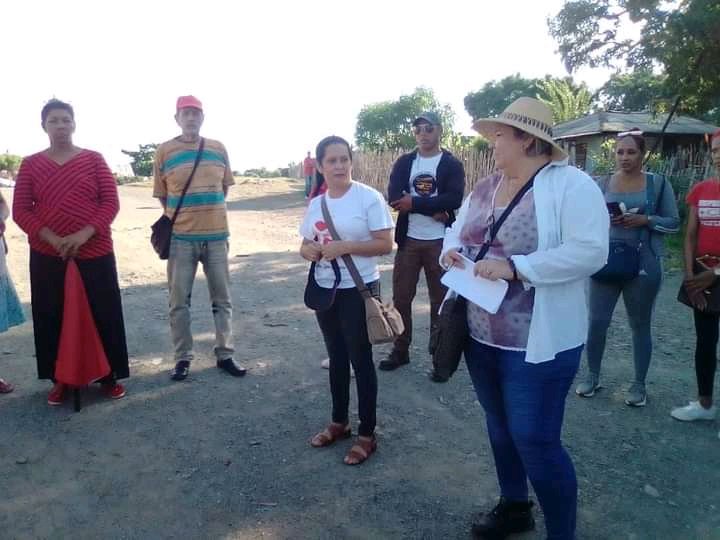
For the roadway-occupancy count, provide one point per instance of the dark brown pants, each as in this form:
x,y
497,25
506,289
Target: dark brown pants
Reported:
x,y
413,256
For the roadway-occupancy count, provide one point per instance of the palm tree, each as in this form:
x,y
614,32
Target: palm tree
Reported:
x,y
566,100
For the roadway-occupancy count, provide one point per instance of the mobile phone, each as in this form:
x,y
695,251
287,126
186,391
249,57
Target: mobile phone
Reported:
x,y
614,209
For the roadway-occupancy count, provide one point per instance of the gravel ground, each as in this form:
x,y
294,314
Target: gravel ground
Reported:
x,y
217,457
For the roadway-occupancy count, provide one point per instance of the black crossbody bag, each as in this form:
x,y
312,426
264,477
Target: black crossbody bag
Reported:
x,y
623,262
162,228
448,341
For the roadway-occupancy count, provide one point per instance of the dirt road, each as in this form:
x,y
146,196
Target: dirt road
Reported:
x,y
217,457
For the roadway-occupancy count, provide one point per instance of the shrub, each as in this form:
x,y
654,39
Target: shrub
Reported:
x,y
121,180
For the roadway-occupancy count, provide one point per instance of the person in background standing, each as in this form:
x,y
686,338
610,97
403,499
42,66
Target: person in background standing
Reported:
x,y
426,187
702,272
650,214
200,234
308,173
319,186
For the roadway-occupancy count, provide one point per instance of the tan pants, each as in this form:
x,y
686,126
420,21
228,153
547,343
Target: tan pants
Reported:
x,y
181,269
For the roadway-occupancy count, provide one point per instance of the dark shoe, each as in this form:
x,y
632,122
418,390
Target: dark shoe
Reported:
x,y
394,361
181,371
434,376
231,367
507,518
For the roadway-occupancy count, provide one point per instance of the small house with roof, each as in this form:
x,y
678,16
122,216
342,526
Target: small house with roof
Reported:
x,y
584,136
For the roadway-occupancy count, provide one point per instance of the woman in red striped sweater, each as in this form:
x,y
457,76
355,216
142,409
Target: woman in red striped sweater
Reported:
x,y
65,200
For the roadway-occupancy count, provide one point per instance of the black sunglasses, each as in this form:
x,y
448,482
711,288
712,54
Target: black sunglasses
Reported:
x,y
427,128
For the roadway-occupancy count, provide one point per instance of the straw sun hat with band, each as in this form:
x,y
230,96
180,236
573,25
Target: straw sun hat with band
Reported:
x,y
528,114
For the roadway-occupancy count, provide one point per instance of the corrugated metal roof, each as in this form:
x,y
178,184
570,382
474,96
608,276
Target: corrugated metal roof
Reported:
x,y
615,122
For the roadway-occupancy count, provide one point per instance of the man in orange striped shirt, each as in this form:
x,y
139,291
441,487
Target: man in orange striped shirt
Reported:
x,y
200,233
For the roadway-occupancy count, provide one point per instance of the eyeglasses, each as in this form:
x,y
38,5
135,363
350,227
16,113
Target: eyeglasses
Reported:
x,y
427,128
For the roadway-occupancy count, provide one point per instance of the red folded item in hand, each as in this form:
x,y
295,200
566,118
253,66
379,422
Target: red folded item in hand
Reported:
x,y
81,356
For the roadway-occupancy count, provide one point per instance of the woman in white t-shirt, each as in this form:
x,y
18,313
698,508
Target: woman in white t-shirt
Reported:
x,y
363,222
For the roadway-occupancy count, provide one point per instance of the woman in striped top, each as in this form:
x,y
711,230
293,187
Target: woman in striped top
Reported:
x,y
65,200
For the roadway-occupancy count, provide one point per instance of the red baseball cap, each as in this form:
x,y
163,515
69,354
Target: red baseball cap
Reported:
x,y
188,101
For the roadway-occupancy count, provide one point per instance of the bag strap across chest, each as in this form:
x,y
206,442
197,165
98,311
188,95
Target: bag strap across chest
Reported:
x,y
347,259
495,227
189,180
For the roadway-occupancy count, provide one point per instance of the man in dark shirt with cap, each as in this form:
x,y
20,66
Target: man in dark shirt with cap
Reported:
x,y
426,187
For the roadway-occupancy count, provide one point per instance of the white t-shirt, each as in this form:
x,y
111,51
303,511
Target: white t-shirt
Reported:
x,y
423,183
356,214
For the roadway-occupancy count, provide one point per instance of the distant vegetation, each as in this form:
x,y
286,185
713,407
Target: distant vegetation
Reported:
x,y
262,172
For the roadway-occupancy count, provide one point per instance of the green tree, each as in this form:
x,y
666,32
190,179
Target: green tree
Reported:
x,y
142,160
458,142
495,96
10,163
682,37
566,100
387,125
637,91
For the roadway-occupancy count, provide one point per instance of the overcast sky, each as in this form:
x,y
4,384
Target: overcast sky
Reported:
x,y
274,77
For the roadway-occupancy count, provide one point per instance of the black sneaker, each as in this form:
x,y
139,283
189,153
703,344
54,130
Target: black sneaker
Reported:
x,y
508,517
181,371
394,360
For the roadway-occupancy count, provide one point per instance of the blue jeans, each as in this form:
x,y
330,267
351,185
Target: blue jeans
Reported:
x,y
308,185
524,407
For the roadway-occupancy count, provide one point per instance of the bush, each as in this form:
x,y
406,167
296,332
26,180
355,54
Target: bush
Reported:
x,y
262,172
603,162
121,180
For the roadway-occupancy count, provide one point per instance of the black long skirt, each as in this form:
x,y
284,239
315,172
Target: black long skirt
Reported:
x,y
47,288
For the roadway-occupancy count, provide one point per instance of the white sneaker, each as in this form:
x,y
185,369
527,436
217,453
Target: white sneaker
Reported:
x,y
693,411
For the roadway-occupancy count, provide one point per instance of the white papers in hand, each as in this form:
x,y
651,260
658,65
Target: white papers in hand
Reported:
x,y
483,292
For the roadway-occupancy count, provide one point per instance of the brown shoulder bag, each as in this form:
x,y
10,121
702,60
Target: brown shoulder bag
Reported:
x,y
384,322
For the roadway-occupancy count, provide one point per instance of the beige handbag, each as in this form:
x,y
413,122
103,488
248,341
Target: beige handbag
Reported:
x,y
384,322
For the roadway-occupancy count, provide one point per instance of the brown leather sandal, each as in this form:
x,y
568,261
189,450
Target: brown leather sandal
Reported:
x,y
362,449
332,433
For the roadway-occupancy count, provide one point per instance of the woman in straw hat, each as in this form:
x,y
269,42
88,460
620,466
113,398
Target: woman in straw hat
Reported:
x,y
523,358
